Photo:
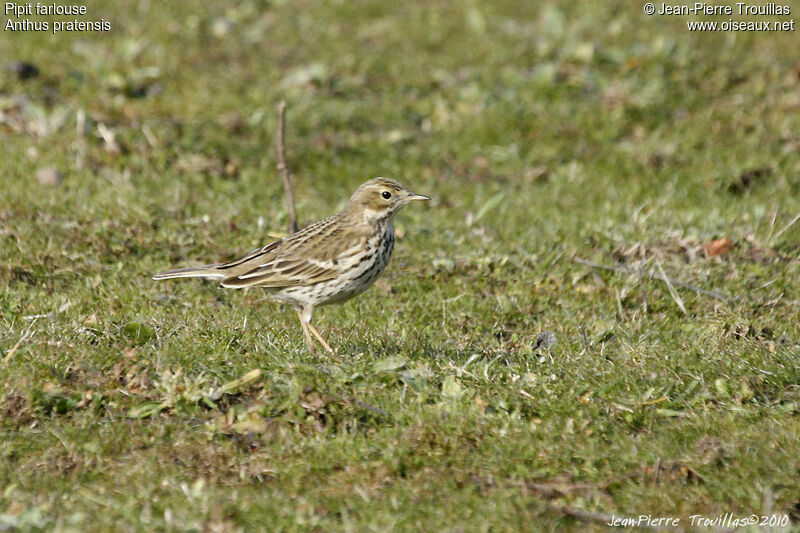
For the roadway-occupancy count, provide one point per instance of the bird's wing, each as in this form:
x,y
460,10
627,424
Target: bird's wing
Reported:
x,y
317,253
246,263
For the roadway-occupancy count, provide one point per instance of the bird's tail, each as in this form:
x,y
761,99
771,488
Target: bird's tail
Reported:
x,y
205,271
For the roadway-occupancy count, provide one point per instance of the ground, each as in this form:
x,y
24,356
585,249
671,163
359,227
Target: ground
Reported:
x,y
602,178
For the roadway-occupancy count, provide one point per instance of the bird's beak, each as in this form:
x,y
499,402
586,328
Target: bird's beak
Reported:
x,y
413,197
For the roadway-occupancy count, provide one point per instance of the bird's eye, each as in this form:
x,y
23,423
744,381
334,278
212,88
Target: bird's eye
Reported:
x,y
386,194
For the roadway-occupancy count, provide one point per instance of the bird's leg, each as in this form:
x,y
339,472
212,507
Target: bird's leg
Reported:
x,y
306,335
319,337
305,319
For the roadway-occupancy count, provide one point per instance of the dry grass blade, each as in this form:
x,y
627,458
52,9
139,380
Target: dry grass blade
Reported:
x,y
671,289
233,386
26,334
787,226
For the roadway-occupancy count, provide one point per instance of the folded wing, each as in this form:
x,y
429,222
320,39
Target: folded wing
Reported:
x,y
317,253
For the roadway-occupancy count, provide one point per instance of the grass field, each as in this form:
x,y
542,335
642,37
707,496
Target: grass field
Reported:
x,y
582,159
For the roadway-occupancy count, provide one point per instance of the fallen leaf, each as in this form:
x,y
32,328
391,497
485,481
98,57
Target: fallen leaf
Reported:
x,y
138,333
718,247
233,386
389,364
146,409
451,388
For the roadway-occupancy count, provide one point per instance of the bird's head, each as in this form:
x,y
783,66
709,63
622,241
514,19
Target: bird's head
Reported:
x,y
381,197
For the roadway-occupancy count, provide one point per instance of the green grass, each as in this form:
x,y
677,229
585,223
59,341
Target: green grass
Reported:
x,y
545,134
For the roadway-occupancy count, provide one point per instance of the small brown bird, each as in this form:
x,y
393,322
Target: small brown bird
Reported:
x,y
327,262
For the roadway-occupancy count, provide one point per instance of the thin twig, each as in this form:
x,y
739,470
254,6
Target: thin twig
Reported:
x,y
685,285
283,168
654,275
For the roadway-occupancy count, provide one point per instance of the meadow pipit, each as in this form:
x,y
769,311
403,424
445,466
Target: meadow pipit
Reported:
x,y
327,262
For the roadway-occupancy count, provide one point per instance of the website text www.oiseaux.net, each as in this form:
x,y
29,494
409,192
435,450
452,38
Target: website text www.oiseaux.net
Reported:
x,y
753,16
740,25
